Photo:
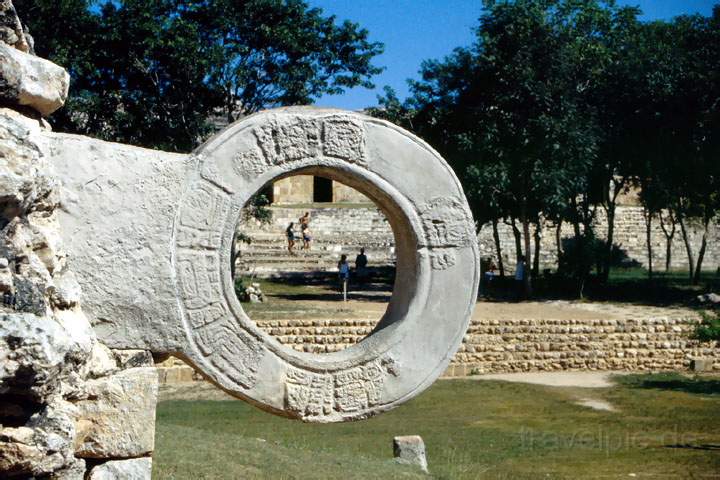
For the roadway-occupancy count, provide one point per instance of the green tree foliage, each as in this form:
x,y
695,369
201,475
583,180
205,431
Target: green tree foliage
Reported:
x,y
560,106
153,72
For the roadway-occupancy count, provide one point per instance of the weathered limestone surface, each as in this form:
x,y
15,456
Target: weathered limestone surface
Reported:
x,y
117,420
135,469
30,81
11,30
52,367
150,246
410,449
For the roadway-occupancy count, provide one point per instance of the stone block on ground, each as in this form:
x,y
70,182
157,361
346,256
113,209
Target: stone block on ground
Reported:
x,y
133,469
701,364
118,418
410,450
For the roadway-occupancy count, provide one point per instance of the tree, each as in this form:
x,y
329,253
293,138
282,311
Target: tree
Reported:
x,y
153,72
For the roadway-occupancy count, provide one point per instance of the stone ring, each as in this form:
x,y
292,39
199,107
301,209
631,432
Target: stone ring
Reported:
x,y
200,318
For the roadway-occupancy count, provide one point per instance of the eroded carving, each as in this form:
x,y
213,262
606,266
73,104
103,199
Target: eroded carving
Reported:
x,y
442,259
230,349
344,138
292,138
289,138
446,223
201,218
234,352
311,394
250,163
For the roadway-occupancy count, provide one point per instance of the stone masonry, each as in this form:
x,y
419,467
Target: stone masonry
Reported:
x,y
342,230
593,337
70,407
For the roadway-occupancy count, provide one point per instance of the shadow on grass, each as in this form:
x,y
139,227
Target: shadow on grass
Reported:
x,y
688,446
336,296
629,285
673,382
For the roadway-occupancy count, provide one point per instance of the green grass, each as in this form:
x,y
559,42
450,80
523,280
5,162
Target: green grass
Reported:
x,y
282,296
664,427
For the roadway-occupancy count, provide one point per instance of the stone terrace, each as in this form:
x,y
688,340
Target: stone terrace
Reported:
x,y
334,231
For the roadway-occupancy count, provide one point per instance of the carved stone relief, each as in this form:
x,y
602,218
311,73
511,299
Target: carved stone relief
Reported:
x,y
311,394
193,291
447,225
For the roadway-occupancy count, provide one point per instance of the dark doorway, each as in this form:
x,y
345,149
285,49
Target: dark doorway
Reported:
x,y
322,190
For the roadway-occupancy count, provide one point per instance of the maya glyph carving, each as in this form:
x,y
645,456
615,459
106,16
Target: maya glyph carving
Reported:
x,y
192,204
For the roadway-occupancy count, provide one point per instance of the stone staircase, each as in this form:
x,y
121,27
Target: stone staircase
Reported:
x,y
335,231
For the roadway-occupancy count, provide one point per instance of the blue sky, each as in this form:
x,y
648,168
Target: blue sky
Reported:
x,y
416,30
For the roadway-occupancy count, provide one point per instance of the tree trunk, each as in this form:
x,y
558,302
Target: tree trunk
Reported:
x,y
526,236
701,253
605,271
518,240
688,247
233,256
558,238
536,256
668,238
498,248
648,240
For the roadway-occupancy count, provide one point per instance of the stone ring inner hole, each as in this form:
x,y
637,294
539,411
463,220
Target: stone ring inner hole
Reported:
x,y
297,298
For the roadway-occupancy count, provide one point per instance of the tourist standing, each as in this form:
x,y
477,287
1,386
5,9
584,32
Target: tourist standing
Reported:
x,y
361,262
304,221
306,237
520,278
344,275
290,234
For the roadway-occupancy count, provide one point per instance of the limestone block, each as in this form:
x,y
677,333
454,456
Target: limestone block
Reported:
x,y
134,469
101,362
410,449
21,180
6,278
118,418
31,81
11,30
709,298
44,446
36,353
701,364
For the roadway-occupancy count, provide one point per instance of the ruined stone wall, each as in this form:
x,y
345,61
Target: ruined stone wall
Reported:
x,y
70,408
629,236
301,188
593,337
348,226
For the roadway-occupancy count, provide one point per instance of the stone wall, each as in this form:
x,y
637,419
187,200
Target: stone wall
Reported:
x,y
629,236
301,189
70,408
353,226
580,337
335,231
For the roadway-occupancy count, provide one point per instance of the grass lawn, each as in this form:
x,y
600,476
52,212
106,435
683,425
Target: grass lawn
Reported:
x,y
663,426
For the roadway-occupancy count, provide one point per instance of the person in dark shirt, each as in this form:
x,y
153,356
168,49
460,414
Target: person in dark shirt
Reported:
x,y
361,262
290,233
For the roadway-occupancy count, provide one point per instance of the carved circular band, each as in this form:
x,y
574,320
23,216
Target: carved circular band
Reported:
x,y
437,263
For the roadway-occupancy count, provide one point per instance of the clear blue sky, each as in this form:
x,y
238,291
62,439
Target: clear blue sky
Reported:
x,y
416,30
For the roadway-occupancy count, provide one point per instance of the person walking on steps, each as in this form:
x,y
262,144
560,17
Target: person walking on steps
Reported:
x,y
290,234
306,238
